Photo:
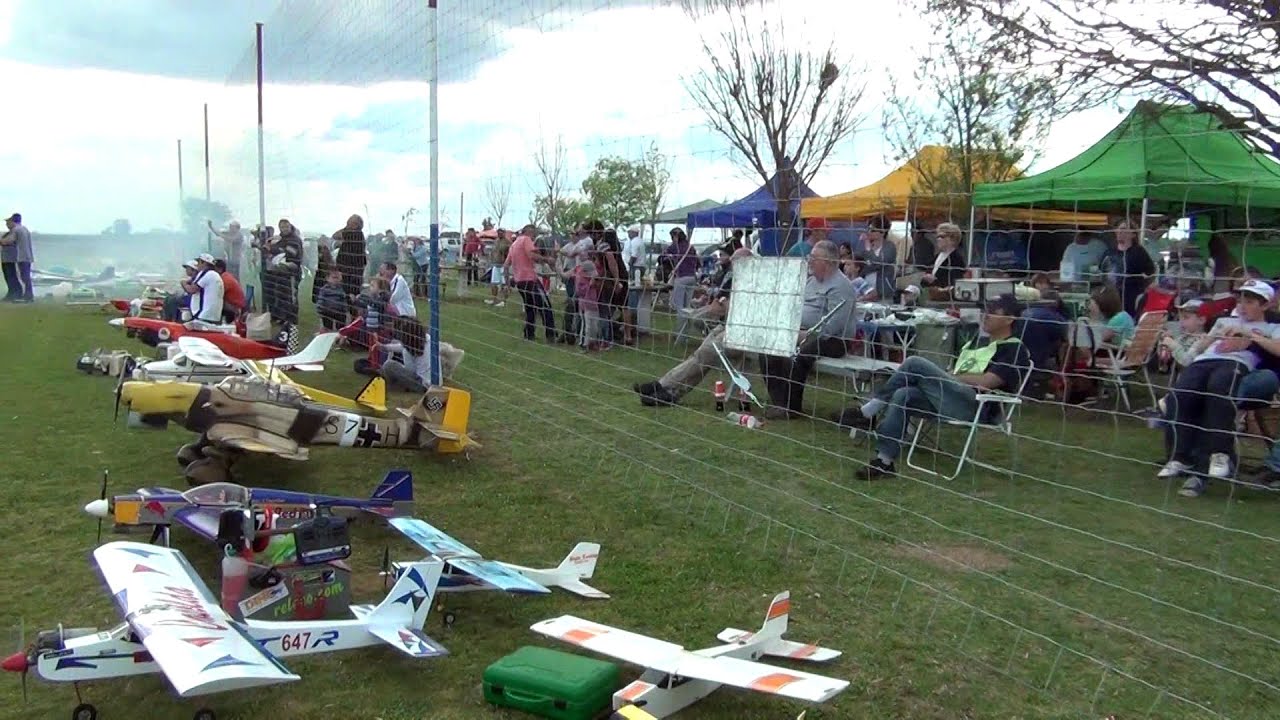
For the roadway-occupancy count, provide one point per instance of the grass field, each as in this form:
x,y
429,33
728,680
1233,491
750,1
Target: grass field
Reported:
x,y
1073,586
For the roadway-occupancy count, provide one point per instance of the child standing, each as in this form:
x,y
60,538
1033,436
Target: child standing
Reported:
x,y
331,302
586,287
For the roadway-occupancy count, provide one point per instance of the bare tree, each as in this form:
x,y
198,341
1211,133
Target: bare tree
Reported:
x,y
783,109
1221,56
497,195
660,173
987,117
551,172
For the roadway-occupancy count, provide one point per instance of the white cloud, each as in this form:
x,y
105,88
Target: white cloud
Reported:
x,y
98,145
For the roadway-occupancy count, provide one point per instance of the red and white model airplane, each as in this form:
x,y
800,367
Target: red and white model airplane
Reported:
x,y
675,678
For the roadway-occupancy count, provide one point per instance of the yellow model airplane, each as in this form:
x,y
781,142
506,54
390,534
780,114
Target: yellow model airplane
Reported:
x,y
255,415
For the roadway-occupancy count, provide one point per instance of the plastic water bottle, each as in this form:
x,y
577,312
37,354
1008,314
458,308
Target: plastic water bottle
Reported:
x,y
744,420
720,395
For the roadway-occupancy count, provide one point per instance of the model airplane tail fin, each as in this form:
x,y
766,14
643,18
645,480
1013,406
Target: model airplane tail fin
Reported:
x,y
581,561
397,486
775,620
410,599
315,353
444,412
374,393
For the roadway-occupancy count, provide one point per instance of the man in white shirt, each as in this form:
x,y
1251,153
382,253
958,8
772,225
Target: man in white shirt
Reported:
x,y
206,291
401,294
633,254
1203,402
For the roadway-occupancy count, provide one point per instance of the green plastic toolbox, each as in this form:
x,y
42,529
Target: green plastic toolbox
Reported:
x,y
552,684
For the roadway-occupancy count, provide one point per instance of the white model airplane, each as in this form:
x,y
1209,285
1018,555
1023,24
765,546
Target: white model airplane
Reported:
x,y
675,678
466,570
199,360
176,626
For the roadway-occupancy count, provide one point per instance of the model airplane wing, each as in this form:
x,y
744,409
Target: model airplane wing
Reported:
x,y
249,439
757,676
200,520
414,643
312,356
461,557
197,646
627,646
202,352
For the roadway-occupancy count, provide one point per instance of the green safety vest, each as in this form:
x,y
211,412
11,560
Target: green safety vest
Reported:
x,y
975,360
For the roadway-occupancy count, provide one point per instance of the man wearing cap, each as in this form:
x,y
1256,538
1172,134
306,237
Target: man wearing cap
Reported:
x,y
206,291
1202,406
633,252
995,361
17,256
815,232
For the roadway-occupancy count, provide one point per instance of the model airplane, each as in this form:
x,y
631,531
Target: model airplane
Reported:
x,y
675,678
200,508
175,625
228,338
199,360
253,415
466,570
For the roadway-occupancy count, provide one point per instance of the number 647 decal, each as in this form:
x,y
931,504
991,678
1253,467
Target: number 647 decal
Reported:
x,y
306,640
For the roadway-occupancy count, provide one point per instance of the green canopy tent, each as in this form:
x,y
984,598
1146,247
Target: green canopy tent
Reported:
x,y
1166,158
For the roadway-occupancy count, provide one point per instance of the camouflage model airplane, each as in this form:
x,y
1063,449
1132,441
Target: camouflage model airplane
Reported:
x,y
255,415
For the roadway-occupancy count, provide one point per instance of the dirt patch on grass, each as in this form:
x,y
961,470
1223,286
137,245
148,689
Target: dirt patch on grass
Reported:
x,y
956,558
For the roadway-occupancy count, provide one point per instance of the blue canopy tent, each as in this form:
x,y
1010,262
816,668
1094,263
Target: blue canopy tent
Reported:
x,y
759,209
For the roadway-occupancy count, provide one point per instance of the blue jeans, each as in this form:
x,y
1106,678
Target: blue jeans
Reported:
x,y
918,387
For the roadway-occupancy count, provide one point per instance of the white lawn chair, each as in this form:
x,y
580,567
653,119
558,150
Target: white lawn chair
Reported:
x,y
1008,404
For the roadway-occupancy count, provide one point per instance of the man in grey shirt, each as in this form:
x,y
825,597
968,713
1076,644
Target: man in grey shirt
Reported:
x,y
827,287
17,255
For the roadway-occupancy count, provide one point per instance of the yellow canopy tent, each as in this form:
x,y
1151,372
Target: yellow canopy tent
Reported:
x,y
895,196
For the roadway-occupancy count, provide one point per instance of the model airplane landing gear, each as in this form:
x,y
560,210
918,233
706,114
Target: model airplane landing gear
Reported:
x,y
84,711
448,617
204,714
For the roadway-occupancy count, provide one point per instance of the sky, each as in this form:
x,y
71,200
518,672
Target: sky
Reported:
x,y
102,91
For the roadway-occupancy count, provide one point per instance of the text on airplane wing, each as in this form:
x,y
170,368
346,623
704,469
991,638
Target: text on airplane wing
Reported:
x,y
627,646
432,539
757,676
199,649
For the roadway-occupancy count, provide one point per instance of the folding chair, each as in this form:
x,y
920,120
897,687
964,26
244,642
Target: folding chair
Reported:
x,y
1004,424
1133,358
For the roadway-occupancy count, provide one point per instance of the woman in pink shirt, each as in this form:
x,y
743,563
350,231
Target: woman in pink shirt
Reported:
x,y
521,263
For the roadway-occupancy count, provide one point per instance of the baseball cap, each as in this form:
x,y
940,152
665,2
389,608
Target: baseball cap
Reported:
x,y
817,224
1005,304
1191,305
634,229
16,217
1259,288
205,257
190,264
913,289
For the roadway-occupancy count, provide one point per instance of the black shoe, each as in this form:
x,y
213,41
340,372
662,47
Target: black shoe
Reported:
x,y
851,418
775,412
657,396
878,468
1266,477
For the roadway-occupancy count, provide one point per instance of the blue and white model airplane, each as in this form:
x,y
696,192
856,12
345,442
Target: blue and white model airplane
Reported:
x,y
466,570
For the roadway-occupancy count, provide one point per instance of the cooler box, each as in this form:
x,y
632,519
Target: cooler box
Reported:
x,y
552,684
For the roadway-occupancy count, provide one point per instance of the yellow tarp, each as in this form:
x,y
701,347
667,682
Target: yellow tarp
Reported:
x,y
894,195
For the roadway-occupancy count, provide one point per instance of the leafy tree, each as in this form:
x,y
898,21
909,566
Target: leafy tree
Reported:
x,y
560,215
988,117
1218,55
621,191
782,108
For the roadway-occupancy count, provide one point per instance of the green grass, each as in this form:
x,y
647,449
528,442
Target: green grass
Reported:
x,y
1073,586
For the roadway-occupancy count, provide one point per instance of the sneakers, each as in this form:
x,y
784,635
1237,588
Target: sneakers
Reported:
x,y
1172,469
653,394
1193,487
878,468
1219,466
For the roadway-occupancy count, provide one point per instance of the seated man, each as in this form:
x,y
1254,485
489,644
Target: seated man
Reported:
x,y
682,378
996,361
1203,402
826,288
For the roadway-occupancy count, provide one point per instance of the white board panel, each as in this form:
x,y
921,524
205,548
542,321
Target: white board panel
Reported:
x,y
767,301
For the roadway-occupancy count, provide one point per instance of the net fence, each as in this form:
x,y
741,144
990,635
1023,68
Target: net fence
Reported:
x,y
1101,545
